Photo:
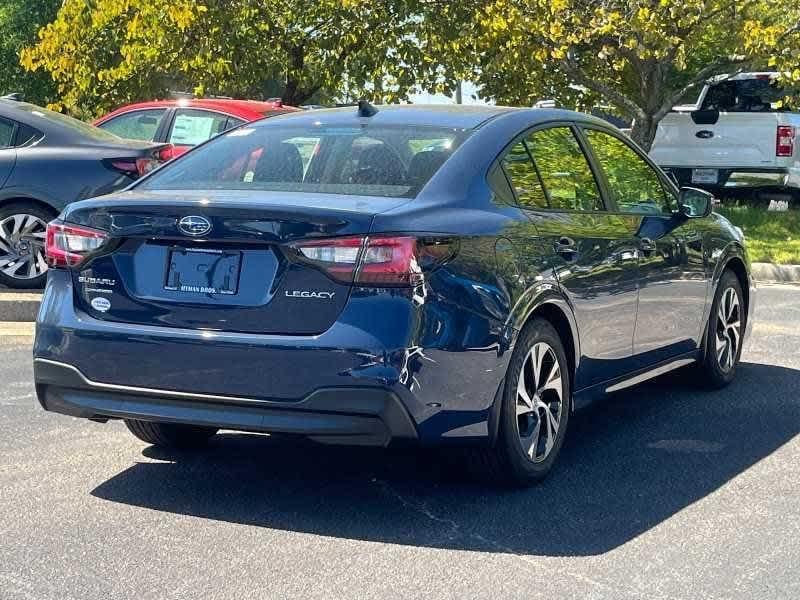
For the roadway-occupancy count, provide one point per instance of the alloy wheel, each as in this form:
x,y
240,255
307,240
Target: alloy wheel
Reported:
x,y
22,241
539,402
729,329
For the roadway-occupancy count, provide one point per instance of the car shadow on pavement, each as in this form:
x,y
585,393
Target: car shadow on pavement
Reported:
x,y
629,463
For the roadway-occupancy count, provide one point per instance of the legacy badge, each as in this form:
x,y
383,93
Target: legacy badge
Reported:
x,y
306,294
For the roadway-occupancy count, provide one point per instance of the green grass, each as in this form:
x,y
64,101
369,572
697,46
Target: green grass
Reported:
x,y
772,237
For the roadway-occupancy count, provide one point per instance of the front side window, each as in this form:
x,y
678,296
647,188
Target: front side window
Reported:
x,y
564,170
365,160
634,184
136,125
193,127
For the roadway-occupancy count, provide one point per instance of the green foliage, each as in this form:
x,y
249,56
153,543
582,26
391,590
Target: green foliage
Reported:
x,y
638,55
771,236
19,22
108,52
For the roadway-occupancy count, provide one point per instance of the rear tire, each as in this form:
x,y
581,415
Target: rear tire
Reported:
x,y
529,439
170,435
22,239
725,331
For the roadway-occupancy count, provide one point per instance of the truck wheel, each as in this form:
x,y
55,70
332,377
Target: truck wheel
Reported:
x,y
23,227
170,435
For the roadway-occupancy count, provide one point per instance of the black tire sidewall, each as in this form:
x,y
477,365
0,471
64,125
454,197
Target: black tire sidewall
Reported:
x,y
717,377
36,210
525,470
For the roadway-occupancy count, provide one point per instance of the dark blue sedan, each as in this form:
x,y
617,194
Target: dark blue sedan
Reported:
x,y
406,274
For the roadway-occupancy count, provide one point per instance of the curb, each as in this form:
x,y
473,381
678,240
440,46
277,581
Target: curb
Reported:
x,y
769,273
17,329
18,306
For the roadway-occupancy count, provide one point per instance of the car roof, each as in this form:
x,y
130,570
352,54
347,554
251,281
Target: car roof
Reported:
x,y
745,76
457,116
246,109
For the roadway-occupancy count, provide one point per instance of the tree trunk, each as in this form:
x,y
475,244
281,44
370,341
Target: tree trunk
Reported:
x,y
292,94
644,131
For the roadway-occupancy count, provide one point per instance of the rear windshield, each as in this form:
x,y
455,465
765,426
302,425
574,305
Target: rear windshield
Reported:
x,y
746,95
361,160
75,125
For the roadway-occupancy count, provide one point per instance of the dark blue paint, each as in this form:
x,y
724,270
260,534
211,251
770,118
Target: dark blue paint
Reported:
x,y
441,348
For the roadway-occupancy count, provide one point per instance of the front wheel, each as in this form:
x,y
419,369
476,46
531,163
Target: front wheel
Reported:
x,y
724,333
534,413
170,435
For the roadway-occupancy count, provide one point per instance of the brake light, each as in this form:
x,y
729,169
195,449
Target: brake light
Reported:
x,y
380,261
69,245
167,153
135,167
784,140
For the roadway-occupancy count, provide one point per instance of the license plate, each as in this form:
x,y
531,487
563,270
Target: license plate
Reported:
x,y
705,175
203,271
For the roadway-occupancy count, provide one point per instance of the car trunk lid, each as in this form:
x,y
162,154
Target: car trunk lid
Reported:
x,y
165,268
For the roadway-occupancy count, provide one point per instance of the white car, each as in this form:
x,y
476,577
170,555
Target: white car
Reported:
x,y
736,136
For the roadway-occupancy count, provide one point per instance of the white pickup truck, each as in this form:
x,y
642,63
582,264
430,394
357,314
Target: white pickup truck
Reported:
x,y
734,137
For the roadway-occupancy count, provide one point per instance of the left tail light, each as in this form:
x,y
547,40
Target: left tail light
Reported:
x,y
379,261
69,245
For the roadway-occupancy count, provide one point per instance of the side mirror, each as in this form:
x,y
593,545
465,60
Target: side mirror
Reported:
x,y
695,203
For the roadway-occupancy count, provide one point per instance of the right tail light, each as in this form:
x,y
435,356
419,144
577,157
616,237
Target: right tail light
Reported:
x,y
784,140
376,261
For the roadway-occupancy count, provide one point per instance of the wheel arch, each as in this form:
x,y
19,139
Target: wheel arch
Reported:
x,y
567,333
737,265
26,199
545,303
735,260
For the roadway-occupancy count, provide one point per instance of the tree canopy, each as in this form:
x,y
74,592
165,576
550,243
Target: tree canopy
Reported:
x,y
19,22
640,55
108,52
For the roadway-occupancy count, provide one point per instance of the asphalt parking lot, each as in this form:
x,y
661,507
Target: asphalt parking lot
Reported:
x,y
662,491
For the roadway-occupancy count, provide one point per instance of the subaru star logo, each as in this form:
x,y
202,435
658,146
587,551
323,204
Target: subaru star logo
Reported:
x,y
194,225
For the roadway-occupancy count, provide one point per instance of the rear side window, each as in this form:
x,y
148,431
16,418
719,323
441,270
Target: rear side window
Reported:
x,y
193,127
523,176
564,170
27,135
394,161
6,133
136,125
634,184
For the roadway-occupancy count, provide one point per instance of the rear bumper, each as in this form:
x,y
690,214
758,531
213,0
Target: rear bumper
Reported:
x,y
354,416
441,365
742,177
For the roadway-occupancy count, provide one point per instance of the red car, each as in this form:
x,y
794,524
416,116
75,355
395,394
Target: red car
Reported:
x,y
185,123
